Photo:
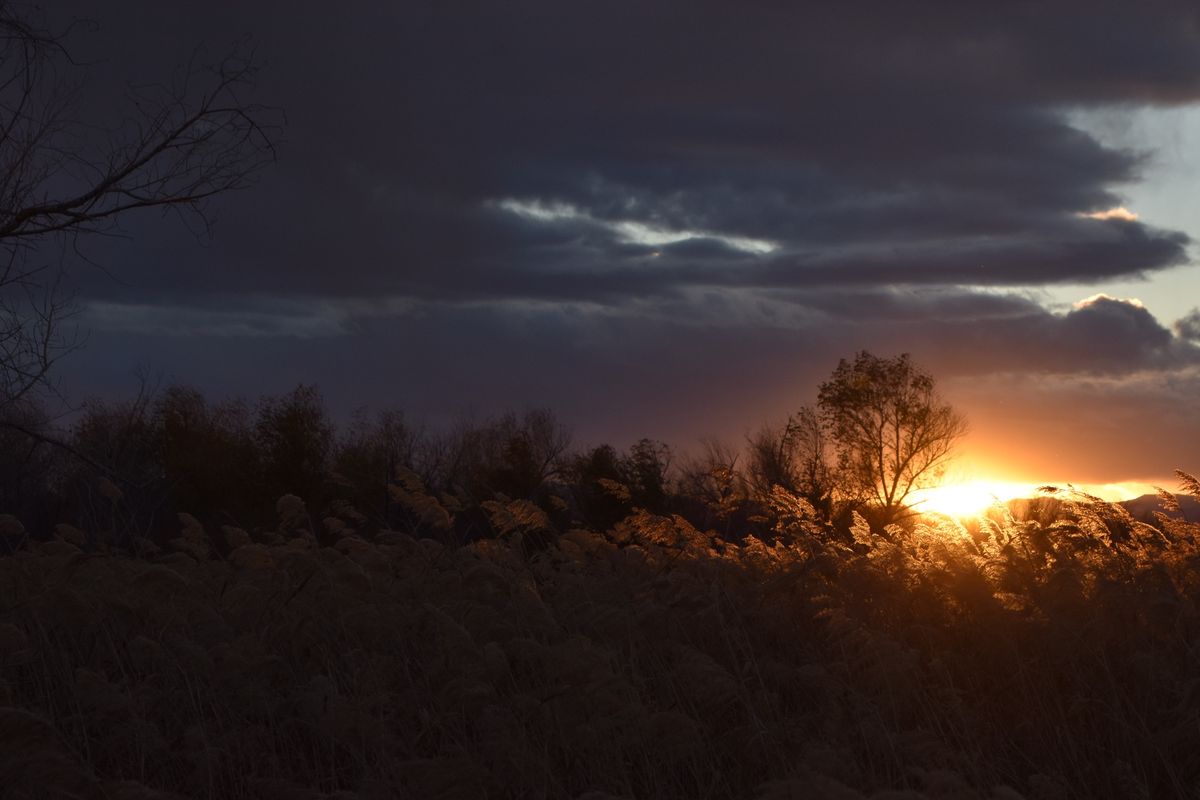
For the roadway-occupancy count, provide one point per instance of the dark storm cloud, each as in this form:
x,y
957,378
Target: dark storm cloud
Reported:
x,y
662,218
963,333
893,144
1101,335
1188,327
959,331
1115,328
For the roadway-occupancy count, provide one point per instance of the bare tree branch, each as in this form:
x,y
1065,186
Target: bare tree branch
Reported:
x,y
181,144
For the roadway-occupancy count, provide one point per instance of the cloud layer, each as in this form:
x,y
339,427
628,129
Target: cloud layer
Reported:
x,y
666,196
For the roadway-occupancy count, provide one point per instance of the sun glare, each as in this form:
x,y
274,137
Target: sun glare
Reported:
x,y
966,499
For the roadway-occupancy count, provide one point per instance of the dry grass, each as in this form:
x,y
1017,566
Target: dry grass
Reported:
x,y
1011,659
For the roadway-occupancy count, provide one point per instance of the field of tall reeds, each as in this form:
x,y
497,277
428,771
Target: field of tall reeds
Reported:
x,y
230,602
1052,657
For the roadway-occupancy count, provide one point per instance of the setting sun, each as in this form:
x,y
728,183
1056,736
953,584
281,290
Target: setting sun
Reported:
x,y
967,499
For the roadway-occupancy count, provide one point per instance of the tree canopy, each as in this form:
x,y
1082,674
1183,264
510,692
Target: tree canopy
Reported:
x,y
891,431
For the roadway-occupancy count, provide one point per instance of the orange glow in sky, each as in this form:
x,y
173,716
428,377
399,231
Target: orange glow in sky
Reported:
x,y
967,492
969,498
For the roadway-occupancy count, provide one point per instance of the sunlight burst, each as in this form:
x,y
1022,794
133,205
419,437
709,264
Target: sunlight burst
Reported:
x,y
965,499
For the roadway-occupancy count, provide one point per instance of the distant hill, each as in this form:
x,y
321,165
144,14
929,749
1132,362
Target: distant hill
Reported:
x,y
1143,507
1046,508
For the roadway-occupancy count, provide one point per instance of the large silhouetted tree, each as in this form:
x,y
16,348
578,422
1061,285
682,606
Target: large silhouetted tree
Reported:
x,y
891,430
177,145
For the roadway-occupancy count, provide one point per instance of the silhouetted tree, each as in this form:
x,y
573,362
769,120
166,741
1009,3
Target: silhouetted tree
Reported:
x,y
511,455
891,430
209,457
367,456
523,452
27,464
122,436
179,145
795,459
121,439
645,468
597,483
713,479
294,437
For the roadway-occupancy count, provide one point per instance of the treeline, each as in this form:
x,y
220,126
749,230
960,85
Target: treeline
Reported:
x,y
235,600
123,471
1016,660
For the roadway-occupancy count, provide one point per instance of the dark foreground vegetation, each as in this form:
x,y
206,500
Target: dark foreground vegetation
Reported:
x,y
225,601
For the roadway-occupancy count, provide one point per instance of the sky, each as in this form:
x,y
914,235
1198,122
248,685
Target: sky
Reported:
x,y
672,219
